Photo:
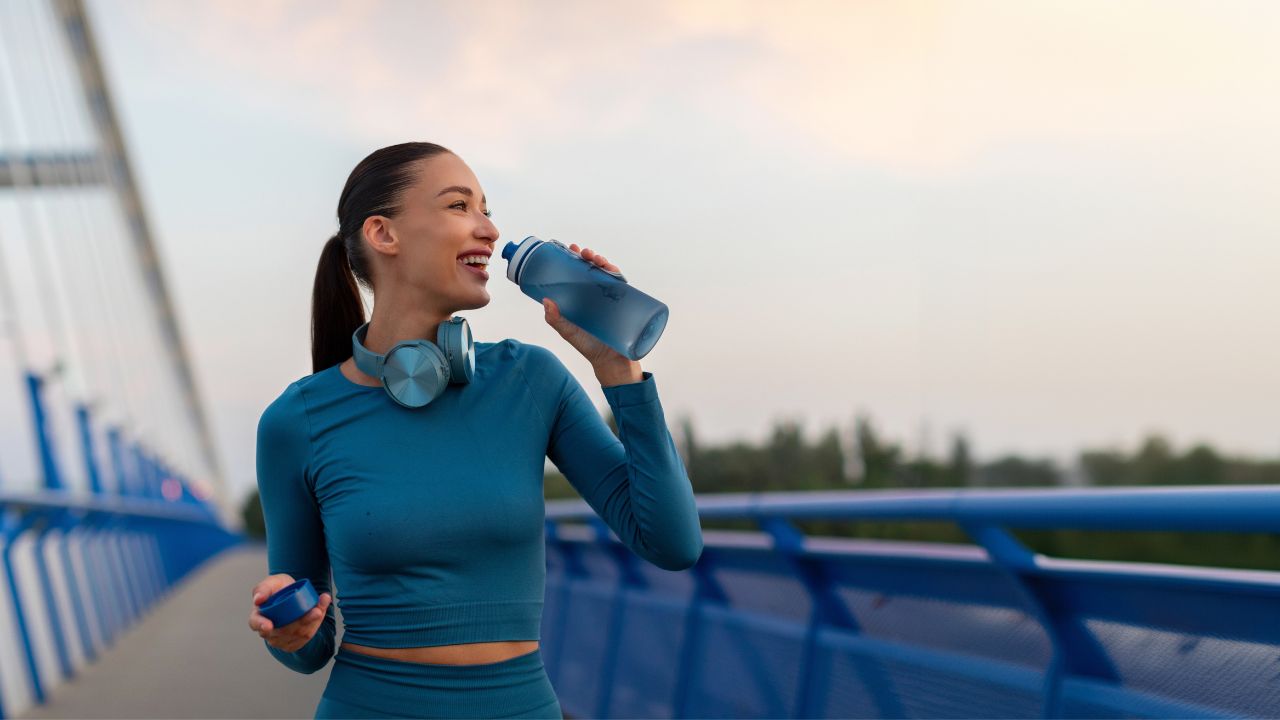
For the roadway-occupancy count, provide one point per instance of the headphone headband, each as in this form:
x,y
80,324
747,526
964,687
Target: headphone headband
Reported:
x,y
415,372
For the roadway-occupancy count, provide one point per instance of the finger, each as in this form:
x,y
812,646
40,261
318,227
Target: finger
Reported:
x,y
270,584
305,627
265,627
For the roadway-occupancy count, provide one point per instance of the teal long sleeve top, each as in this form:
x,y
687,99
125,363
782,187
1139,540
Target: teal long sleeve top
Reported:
x,y
431,520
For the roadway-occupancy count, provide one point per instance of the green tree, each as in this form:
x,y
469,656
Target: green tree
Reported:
x,y
255,525
879,458
1014,471
960,464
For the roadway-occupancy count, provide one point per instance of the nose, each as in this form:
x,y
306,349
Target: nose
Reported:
x,y
486,230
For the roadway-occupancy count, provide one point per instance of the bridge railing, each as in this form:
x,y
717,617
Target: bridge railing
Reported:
x,y
774,623
80,571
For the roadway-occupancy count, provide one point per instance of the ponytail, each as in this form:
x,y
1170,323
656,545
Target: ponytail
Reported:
x,y
374,187
336,307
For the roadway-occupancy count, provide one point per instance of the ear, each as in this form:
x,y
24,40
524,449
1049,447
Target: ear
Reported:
x,y
380,235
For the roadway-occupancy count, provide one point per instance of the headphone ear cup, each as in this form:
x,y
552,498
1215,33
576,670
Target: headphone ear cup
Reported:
x,y
454,337
415,373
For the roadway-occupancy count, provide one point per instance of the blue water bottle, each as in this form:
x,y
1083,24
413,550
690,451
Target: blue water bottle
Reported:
x,y
596,300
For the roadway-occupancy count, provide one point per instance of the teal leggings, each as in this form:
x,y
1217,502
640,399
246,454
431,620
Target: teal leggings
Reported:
x,y
364,686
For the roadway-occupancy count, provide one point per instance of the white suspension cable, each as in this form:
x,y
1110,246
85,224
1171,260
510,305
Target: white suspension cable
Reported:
x,y
107,359
12,126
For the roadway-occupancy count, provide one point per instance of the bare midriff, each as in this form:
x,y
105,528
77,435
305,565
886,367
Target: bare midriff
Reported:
x,y
465,654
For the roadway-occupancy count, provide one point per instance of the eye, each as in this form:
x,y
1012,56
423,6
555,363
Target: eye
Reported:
x,y
462,204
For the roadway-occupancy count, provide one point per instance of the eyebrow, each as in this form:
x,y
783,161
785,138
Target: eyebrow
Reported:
x,y
459,189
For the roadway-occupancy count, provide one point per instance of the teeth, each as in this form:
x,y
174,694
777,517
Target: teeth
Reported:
x,y
475,260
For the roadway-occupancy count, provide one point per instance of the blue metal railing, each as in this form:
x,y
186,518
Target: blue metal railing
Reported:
x,y
77,572
778,624
771,623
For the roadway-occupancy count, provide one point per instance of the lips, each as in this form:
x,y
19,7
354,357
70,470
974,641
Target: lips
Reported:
x,y
476,270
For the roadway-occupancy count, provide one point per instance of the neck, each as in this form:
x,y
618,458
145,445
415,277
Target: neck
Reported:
x,y
388,327
393,325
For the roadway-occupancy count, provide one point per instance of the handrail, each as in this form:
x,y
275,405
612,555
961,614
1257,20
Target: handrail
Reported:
x,y
141,507
1228,508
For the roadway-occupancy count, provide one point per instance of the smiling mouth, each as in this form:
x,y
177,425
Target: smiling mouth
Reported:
x,y
477,270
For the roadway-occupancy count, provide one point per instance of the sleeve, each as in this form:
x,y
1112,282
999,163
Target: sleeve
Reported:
x,y
637,484
295,535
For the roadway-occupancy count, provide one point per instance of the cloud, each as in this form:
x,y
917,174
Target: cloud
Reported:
x,y
913,87
929,86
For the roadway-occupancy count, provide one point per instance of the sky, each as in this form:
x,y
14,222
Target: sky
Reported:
x,y
1047,225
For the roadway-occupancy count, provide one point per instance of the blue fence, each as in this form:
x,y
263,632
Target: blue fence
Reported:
x,y
79,572
777,624
771,623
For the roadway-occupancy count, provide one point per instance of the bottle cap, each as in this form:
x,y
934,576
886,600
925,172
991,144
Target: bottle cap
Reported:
x,y
519,254
290,603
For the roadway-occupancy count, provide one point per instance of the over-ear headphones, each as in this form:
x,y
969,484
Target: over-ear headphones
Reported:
x,y
415,372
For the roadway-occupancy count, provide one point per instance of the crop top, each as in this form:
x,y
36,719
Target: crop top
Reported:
x,y
432,519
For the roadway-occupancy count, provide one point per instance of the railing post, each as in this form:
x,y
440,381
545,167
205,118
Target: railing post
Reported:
x,y
117,560
101,550
100,578
117,461
51,599
829,610
67,522
572,568
628,577
1013,558
12,530
706,591
86,445
44,436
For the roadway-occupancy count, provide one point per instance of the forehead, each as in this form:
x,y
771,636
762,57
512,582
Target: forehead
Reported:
x,y
442,171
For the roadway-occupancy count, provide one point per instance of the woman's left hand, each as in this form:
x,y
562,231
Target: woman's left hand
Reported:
x,y
596,352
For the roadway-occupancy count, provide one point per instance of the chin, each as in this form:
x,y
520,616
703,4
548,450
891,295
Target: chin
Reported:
x,y
476,305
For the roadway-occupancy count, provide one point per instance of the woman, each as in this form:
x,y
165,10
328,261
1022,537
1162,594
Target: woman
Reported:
x,y
431,516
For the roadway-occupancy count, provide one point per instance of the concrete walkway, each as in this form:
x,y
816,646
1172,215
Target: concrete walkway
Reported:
x,y
193,656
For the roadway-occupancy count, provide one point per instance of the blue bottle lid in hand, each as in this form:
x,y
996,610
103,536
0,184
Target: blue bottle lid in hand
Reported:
x,y
290,603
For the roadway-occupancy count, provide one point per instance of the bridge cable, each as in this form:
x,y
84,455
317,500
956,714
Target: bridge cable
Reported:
x,y
12,126
109,353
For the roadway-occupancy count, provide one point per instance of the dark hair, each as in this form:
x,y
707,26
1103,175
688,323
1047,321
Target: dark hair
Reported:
x,y
374,187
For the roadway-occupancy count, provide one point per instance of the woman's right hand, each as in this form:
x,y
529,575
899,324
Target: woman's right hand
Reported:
x,y
293,636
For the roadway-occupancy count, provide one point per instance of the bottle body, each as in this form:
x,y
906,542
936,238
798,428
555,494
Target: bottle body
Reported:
x,y
596,300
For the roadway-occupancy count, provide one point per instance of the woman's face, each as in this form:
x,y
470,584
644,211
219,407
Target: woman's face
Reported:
x,y
442,216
